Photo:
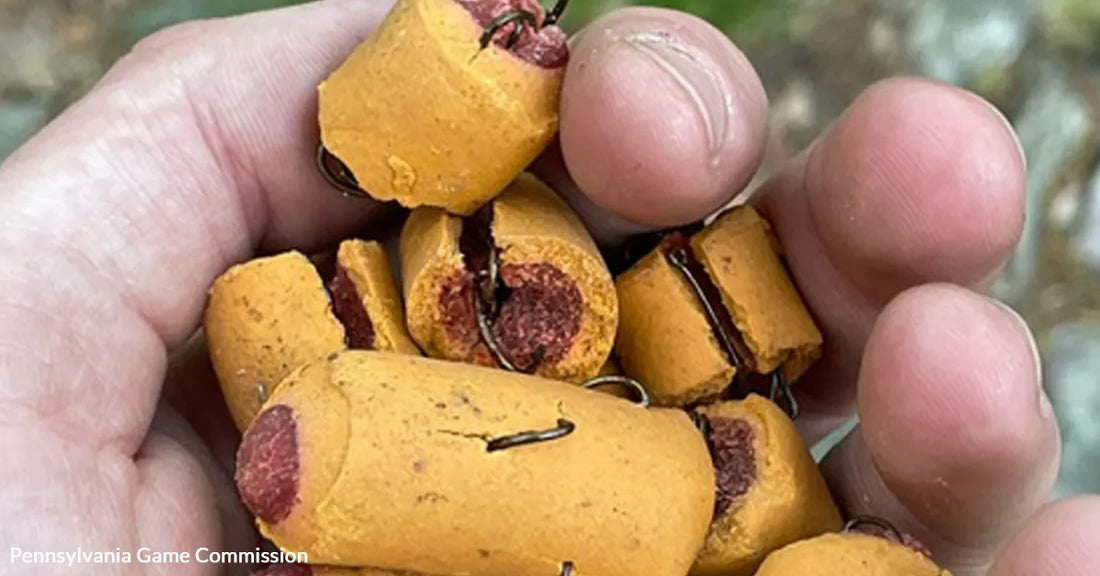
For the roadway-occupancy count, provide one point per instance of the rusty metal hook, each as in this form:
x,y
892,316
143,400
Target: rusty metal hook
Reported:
x,y
564,428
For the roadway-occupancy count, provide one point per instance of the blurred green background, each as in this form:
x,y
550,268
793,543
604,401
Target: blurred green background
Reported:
x,y
1037,60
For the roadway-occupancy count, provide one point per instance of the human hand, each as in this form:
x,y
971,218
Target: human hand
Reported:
x,y
196,152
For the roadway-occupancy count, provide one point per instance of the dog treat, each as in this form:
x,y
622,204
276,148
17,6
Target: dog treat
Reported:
x,y
380,459
769,492
552,310
849,554
423,114
668,340
269,316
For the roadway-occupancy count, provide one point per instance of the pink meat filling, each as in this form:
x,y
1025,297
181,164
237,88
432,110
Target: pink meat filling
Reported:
x,y
348,307
734,461
545,47
267,465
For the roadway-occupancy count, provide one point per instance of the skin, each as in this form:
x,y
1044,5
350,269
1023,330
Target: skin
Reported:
x,y
195,152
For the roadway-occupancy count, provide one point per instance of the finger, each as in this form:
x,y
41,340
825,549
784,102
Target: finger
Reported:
x,y
1063,539
191,389
195,150
957,442
663,119
918,182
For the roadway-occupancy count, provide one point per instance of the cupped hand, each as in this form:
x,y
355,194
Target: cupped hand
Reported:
x,y
196,152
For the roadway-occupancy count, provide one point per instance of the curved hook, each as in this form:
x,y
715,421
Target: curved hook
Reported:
x,y
555,13
338,174
680,260
640,392
564,428
856,522
518,18
780,387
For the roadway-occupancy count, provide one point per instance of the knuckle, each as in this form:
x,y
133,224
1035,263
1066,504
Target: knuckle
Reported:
x,y
172,39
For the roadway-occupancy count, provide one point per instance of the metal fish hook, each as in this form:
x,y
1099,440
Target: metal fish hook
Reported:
x,y
701,422
261,394
564,428
485,307
779,388
857,522
338,174
555,13
519,19
678,258
640,392
567,568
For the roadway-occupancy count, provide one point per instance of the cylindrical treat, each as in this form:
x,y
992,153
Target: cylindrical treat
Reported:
x,y
668,340
269,316
379,459
366,299
849,554
769,492
422,114
552,310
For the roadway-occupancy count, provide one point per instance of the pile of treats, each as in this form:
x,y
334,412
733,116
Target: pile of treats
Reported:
x,y
472,419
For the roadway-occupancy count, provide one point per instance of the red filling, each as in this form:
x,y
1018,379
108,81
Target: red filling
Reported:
x,y
267,465
539,315
545,47
347,304
734,461
285,570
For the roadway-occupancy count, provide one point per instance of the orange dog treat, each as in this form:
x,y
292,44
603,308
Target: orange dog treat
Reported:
x,y
420,113
555,306
849,554
379,459
269,316
769,491
666,338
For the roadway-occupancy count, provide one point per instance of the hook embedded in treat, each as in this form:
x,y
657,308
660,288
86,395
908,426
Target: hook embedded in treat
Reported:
x,y
702,423
517,18
564,428
486,307
640,392
337,174
779,388
856,522
520,19
567,568
681,260
261,394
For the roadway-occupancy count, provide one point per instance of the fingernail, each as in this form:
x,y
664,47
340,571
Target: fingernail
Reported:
x,y
701,81
1045,408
